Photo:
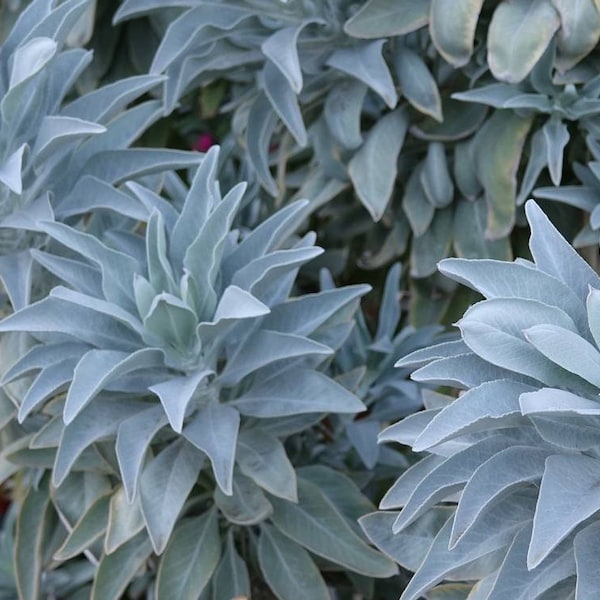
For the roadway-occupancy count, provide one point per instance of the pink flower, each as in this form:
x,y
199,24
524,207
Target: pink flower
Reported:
x,y
203,142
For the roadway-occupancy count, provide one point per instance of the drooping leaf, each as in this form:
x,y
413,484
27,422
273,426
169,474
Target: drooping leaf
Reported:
x,y
214,430
373,168
452,28
288,568
531,25
383,18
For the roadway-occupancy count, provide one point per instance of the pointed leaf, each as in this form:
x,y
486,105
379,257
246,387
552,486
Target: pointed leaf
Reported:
x,y
373,168
190,558
365,62
214,430
287,567
383,18
165,485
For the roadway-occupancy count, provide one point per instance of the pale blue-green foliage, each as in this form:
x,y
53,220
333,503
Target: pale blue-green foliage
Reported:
x,y
53,147
184,354
507,492
584,196
365,365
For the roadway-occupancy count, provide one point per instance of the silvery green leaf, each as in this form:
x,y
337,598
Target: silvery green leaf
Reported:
x,y
497,151
125,521
100,307
492,405
435,176
470,220
190,558
116,570
516,580
383,18
187,29
389,311
586,558
97,368
91,193
492,335
342,110
176,393
363,437
304,314
31,58
103,104
555,256
567,489
452,28
258,275
262,121
534,23
428,249
16,277
579,31
31,15
86,531
236,303
261,456
557,402
288,568
566,349
410,547
247,504
203,256
593,310
130,9
265,237
56,130
10,170
538,159
416,82
214,430
460,121
557,138
97,421
117,268
297,391
535,102
448,478
373,168
133,439
165,485
52,379
117,166
494,94
153,201
399,493
160,273
583,197
199,203
463,371
29,540
231,578
173,321
284,101
464,171
281,48
494,479
61,21
487,545
498,279
340,490
364,61
417,208
316,524
266,347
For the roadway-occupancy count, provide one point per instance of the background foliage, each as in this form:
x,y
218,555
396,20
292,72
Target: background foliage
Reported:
x,y
194,367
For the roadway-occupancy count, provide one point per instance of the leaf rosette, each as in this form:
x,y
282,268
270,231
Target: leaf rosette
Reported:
x,y
506,494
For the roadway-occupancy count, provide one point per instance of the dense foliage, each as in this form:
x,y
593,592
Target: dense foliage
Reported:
x,y
194,372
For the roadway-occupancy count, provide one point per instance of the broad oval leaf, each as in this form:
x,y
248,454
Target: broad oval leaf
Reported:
x,y
530,25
